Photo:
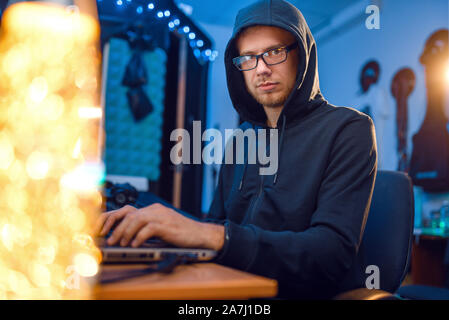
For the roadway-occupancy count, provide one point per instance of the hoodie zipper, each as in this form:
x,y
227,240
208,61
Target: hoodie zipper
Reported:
x,y
254,200
252,207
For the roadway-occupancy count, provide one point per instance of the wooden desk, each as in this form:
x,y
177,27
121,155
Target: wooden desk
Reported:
x,y
195,281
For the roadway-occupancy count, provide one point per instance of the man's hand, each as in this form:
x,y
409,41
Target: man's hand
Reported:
x,y
138,225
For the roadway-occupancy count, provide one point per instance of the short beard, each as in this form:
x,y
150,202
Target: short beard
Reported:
x,y
270,102
274,103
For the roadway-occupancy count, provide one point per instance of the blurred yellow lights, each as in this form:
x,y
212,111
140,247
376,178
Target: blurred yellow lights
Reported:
x,y
90,112
6,152
46,255
53,107
446,74
7,236
40,275
85,265
48,17
50,166
38,164
77,150
38,89
84,178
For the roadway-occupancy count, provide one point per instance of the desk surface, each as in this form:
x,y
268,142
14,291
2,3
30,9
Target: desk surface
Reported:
x,y
195,281
431,232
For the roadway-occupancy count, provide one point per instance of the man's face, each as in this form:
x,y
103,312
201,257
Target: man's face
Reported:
x,y
269,85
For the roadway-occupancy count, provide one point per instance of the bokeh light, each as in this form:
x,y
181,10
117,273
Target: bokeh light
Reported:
x,y
446,73
86,265
50,161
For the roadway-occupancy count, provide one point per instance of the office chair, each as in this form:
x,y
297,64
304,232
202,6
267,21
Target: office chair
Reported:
x,y
421,292
424,292
387,240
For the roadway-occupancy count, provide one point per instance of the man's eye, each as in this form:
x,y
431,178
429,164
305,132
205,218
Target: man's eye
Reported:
x,y
245,58
275,52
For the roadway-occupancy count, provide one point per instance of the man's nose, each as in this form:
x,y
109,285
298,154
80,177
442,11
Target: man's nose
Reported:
x,y
262,68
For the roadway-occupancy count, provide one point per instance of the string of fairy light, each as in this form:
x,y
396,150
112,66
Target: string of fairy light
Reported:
x,y
174,23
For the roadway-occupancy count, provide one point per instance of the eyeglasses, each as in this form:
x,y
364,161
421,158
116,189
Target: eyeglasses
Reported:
x,y
270,57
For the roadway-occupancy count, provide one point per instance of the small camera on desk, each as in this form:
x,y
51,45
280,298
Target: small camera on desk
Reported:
x,y
118,195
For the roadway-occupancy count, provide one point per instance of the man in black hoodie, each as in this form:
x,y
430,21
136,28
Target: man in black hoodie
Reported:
x,y
302,225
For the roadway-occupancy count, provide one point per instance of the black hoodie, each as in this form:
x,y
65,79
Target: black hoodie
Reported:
x,y
303,225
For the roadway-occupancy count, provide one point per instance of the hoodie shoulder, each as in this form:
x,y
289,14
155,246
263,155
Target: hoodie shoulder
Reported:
x,y
245,125
346,113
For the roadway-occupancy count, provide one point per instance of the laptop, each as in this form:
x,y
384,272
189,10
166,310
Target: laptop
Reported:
x,y
152,250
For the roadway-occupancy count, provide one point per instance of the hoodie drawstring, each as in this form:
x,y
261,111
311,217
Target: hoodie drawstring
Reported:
x,y
284,119
243,176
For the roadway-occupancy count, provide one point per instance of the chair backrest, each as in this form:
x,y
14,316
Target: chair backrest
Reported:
x,y
387,239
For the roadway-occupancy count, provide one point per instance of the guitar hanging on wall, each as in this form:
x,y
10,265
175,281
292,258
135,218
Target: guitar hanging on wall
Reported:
x,y
401,87
368,77
429,165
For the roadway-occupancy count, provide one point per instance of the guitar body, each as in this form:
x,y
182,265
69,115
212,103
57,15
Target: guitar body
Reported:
x,y
429,166
401,87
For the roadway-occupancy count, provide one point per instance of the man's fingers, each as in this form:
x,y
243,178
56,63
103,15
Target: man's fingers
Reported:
x,y
145,233
100,222
118,231
136,222
111,220
113,216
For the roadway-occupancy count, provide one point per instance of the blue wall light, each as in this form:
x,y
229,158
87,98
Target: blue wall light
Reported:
x,y
197,53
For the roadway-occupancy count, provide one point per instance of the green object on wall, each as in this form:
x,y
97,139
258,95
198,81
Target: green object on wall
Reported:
x,y
133,148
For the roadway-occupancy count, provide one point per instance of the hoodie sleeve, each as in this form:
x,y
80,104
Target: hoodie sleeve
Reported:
x,y
316,259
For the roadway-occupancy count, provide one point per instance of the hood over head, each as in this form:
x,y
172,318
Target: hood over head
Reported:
x,y
306,95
